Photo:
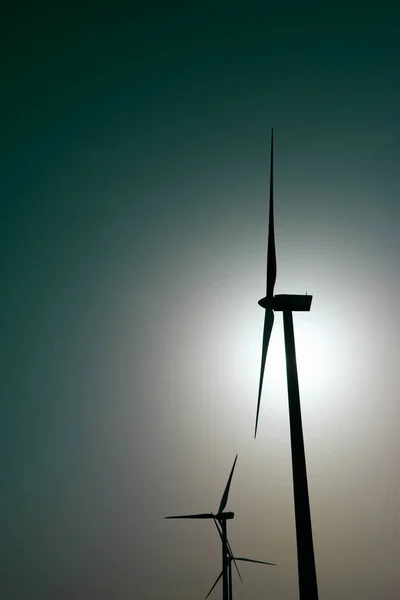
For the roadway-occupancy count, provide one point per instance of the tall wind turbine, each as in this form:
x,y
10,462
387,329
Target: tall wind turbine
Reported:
x,y
220,518
287,303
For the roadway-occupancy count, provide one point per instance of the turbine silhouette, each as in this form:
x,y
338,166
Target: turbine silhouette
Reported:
x,y
220,518
287,303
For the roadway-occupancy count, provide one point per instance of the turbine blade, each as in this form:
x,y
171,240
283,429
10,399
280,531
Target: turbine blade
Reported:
x,y
215,583
199,516
268,323
271,255
262,562
224,498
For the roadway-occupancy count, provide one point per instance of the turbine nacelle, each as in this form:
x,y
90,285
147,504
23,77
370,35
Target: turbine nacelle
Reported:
x,y
292,302
224,516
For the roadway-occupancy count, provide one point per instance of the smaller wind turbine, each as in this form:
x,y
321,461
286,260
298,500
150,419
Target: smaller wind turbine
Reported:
x,y
220,518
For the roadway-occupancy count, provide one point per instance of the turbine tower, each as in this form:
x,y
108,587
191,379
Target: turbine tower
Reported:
x,y
288,303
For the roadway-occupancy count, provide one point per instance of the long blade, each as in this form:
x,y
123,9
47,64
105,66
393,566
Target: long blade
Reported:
x,y
224,498
229,548
199,516
262,562
215,583
271,257
268,323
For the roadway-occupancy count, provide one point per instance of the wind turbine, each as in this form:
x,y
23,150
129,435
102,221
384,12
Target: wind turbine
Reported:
x,y
220,518
288,303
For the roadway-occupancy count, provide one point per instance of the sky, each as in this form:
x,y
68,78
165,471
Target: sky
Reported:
x,y
134,205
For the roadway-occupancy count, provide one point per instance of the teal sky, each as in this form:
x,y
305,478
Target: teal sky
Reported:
x,y
134,186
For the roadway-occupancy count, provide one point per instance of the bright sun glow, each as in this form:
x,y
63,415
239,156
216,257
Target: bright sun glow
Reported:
x,y
220,349
311,353
316,353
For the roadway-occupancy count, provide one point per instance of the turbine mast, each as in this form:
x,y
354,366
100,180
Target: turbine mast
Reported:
x,y
225,583
305,548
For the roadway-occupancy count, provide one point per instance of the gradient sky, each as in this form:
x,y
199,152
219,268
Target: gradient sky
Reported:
x,y
134,186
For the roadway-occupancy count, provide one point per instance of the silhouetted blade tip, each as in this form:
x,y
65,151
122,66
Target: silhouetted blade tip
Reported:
x,y
214,584
225,495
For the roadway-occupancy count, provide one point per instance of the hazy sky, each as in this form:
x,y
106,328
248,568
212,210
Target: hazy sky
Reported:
x,y
134,187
